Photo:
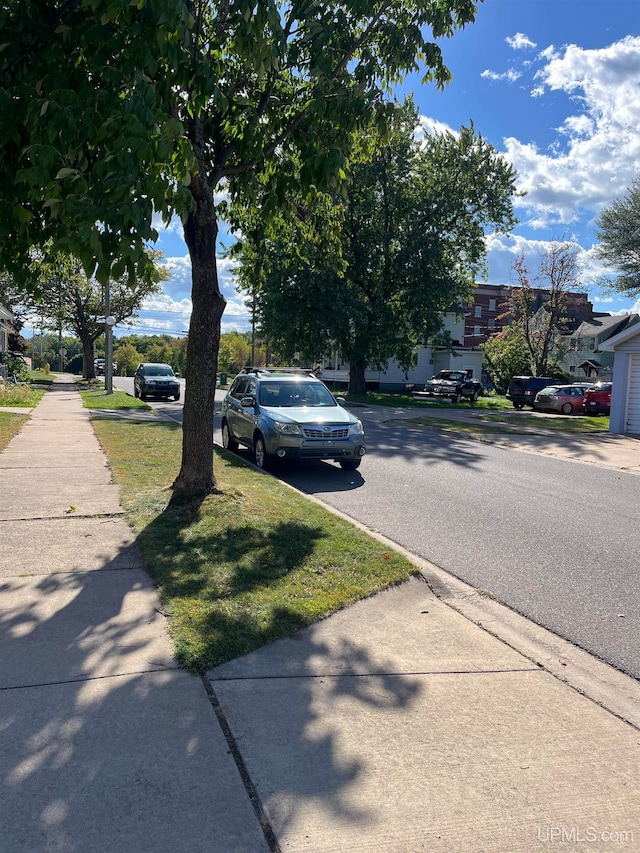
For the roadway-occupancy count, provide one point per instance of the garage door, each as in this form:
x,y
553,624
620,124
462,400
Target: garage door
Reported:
x,y
633,410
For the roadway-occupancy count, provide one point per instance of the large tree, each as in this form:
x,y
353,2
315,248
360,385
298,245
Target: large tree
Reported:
x,y
618,232
110,110
372,269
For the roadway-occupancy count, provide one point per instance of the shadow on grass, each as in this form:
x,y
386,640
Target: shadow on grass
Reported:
x,y
230,575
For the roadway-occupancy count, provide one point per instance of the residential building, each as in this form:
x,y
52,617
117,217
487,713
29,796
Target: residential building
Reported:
x,y
585,355
484,315
5,317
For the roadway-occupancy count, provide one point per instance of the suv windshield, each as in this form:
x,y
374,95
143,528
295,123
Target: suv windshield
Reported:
x,y
273,393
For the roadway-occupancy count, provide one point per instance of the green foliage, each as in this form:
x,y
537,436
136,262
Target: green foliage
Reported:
x,y
618,230
371,269
127,358
506,355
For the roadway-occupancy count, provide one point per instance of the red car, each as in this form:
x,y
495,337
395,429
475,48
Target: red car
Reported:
x,y
597,400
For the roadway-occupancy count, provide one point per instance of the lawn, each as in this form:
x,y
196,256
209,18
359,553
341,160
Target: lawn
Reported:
x,y
489,402
243,566
10,424
95,397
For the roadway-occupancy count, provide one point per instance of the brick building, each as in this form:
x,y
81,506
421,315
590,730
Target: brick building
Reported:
x,y
482,316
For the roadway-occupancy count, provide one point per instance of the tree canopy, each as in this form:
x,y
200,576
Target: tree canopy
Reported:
x,y
112,110
371,269
618,232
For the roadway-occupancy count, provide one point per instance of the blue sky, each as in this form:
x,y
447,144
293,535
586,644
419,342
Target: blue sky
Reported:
x,y
554,85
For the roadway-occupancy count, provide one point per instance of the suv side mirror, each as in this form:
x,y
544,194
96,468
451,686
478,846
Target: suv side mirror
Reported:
x,y
247,402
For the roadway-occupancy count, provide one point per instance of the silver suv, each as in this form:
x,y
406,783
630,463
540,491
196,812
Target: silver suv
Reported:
x,y
289,414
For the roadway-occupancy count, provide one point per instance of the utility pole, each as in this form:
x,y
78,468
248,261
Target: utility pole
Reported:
x,y
108,340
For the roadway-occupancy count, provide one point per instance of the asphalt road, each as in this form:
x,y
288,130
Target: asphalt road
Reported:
x,y
555,540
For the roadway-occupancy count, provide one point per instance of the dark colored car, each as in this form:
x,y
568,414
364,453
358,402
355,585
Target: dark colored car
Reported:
x,y
597,400
153,379
454,384
99,366
560,398
523,389
281,414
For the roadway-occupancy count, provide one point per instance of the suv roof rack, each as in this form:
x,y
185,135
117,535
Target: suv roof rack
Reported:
x,y
303,371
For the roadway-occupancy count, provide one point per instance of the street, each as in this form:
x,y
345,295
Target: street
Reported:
x,y
553,539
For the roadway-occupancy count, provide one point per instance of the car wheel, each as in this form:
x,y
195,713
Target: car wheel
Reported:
x,y
176,397
456,398
143,394
260,455
475,396
135,392
350,464
228,441
566,409
518,406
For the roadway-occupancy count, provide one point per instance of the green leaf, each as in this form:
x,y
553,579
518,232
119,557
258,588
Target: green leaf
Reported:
x,y
66,173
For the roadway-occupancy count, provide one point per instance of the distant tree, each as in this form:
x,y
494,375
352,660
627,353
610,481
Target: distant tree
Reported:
x,y
506,355
127,359
618,230
371,269
540,314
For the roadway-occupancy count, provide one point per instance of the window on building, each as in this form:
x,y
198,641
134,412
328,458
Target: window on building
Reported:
x,y
492,305
476,330
492,324
478,310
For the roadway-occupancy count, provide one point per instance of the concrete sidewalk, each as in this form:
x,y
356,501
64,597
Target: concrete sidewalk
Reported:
x,y
399,724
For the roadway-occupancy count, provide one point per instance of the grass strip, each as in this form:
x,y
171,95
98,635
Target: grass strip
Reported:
x,y
243,566
10,425
516,425
95,397
490,402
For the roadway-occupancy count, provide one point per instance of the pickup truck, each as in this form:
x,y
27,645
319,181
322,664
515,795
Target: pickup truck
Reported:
x,y
454,384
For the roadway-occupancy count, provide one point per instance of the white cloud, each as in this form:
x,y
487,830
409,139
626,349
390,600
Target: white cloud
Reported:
x,y
600,154
510,76
519,41
428,127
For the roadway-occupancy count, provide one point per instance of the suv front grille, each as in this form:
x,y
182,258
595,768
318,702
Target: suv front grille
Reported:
x,y
328,434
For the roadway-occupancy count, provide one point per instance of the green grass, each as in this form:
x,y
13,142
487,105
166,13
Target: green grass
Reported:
x,y
555,423
490,402
10,424
248,564
41,377
520,425
95,397
20,395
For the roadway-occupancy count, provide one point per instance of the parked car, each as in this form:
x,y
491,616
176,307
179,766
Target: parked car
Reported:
x,y
99,366
454,384
523,389
560,398
597,400
153,379
289,414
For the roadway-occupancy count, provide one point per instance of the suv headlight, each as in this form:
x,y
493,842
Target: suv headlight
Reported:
x,y
356,429
287,429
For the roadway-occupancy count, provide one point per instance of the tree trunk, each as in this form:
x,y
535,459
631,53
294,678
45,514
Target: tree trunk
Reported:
x,y
201,228
88,369
357,385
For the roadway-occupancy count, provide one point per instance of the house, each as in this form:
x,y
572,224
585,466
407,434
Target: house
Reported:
x,y
430,359
5,328
586,355
625,394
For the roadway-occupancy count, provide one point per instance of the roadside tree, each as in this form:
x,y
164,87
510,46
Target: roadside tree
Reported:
x,y
370,270
506,354
618,232
111,111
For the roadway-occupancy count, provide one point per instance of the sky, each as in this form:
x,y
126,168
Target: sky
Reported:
x,y
553,85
